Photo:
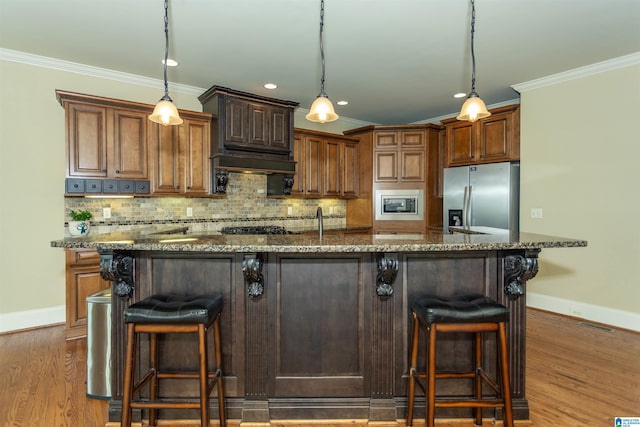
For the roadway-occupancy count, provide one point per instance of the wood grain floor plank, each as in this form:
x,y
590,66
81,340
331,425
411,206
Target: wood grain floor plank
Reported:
x,y
576,376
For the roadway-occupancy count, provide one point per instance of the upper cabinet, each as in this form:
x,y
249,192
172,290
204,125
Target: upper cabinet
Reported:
x,y
105,142
326,165
399,156
180,161
251,133
113,148
493,139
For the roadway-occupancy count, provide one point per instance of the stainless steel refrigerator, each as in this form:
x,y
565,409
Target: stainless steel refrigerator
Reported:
x,y
483,195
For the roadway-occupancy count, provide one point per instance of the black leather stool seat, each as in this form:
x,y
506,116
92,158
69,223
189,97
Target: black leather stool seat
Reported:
x,y
174,309
163,314
459,309
472,314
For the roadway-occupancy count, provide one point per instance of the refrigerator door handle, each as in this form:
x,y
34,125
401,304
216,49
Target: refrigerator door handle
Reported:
x,y
464,207
468,212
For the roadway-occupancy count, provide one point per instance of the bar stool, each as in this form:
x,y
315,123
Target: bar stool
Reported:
x,y
170,314
467,313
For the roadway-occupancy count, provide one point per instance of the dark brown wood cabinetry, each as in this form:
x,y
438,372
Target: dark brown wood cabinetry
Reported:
x,y
320,341
397,157
180,161
105,140
326,165
82,279
490,140
113,148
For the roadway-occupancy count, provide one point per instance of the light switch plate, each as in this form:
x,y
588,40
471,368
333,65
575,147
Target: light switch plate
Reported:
x,y
106,213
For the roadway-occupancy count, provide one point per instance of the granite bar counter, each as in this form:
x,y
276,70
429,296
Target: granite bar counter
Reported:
x,y
318,328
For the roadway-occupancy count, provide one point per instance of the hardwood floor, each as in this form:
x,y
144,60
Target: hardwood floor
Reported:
x,y
576,376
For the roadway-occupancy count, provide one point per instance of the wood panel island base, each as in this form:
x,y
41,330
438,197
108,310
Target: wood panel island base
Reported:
x,y
318,328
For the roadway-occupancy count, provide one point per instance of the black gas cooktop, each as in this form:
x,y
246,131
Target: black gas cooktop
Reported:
x,y
254,229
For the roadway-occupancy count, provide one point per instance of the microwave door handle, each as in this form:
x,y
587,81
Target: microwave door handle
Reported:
x,y
469,207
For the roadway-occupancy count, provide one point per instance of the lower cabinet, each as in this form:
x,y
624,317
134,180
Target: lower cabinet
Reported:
x,y
82,279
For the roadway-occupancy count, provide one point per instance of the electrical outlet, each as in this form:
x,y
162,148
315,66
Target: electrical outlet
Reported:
x,y
189,212
330,210
536,213
289,210
106,213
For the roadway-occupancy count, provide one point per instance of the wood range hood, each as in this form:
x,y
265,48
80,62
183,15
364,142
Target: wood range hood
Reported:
x,y
250,133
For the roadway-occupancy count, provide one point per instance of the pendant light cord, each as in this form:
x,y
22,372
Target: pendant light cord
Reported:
x,y
473,54
322,48
166,46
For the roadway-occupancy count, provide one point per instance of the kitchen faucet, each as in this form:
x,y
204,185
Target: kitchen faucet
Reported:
x,y
320,224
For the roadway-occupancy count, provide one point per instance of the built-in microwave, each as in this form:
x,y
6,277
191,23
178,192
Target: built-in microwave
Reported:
x,y
399,205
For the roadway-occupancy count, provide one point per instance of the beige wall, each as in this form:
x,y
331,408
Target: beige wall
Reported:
x,y
580,163
32,171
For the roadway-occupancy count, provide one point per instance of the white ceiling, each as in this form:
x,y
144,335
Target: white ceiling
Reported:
x,y
395,61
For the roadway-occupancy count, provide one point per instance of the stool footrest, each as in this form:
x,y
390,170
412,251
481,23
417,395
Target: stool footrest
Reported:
x,y
469,403
187,403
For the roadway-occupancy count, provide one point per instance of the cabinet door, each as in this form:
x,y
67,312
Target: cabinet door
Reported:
x,y
82,279
86,140
129,145
299,154
332,168
386,166
385,139
496,136
461,140
412,167
313,166
195,148
279,125
236,123
350,184
412,139
165,143
259,118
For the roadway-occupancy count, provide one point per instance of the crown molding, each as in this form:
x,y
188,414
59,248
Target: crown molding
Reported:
x,y
87,70
437,120
588,70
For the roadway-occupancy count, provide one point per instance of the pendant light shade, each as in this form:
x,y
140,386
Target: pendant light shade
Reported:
x,y
165,111
322,109
473,108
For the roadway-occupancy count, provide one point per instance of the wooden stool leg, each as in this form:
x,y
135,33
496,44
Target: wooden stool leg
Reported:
x,y
153,365
129,368
204,377
504,373
413,369
477,348
431,377
217,341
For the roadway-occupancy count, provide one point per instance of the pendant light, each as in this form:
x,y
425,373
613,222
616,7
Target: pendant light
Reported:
x,y
473,108
322,109
166,112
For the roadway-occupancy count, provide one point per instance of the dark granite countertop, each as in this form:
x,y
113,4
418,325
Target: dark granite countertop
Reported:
x,y
433,241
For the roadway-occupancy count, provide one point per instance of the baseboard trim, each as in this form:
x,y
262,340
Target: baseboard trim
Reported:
x,y
29,319
595,313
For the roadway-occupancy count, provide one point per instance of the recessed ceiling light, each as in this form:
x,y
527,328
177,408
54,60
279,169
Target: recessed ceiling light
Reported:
x,y
270,86
342,102
171,62
460,95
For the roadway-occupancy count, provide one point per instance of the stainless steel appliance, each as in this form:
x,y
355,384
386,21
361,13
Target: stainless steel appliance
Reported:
x,y
483,195
399,205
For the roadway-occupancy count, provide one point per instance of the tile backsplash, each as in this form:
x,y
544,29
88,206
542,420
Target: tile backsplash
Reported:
x,y
245,203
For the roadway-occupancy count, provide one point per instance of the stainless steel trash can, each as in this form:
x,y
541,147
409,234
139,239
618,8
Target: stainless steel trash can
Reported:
x,y
99,345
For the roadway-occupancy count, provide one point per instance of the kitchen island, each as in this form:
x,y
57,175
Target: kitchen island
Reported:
x,y
318,328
